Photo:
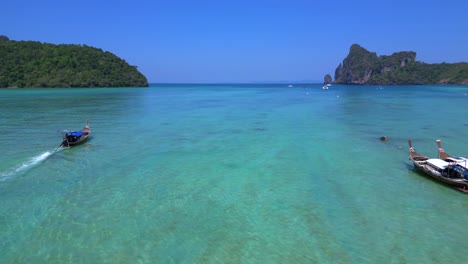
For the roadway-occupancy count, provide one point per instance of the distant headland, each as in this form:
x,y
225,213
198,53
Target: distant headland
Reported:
x,y
364,67
34,64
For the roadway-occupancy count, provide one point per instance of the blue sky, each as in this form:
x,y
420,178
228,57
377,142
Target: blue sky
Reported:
x,y
243,41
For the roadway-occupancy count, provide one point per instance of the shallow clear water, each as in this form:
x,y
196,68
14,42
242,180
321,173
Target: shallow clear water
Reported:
x,y
229,174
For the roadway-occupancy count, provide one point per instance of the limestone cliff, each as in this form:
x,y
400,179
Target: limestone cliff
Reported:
x,y
364,67
327,79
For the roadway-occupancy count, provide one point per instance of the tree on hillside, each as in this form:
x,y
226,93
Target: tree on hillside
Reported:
x,y
35,64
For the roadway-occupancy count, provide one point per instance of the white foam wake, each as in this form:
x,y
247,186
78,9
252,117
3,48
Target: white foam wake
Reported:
x,y
23,167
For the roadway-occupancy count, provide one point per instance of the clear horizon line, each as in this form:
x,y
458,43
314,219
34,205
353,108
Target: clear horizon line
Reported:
x,y
266,82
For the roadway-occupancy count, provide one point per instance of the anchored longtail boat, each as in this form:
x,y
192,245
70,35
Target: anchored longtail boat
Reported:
x,y
73,138
448,169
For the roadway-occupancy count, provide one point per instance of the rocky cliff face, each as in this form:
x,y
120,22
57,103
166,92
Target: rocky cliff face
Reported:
x,y
364,67
360,65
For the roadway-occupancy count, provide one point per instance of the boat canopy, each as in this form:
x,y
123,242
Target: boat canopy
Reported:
x,y
438,163
460,161
75,134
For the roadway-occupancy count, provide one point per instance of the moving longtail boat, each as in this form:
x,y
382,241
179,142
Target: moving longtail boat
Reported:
x,y
448,169
73,138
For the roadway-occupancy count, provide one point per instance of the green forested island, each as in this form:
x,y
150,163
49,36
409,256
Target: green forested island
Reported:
x,y
364,67
35,64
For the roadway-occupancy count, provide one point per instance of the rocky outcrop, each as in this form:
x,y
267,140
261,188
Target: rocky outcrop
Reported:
x,y
364,67
327,79
357,67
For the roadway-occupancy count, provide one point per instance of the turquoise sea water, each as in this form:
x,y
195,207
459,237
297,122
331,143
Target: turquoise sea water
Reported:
x,y
230,174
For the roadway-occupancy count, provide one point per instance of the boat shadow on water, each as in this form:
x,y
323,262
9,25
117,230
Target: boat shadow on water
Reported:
x,y
421,174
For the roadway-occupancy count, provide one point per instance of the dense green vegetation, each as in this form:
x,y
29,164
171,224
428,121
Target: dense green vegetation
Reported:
x,y
364,67
35,64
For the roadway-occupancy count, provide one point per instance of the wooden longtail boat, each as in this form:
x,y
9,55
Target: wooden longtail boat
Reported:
x,y
73,138
448,169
